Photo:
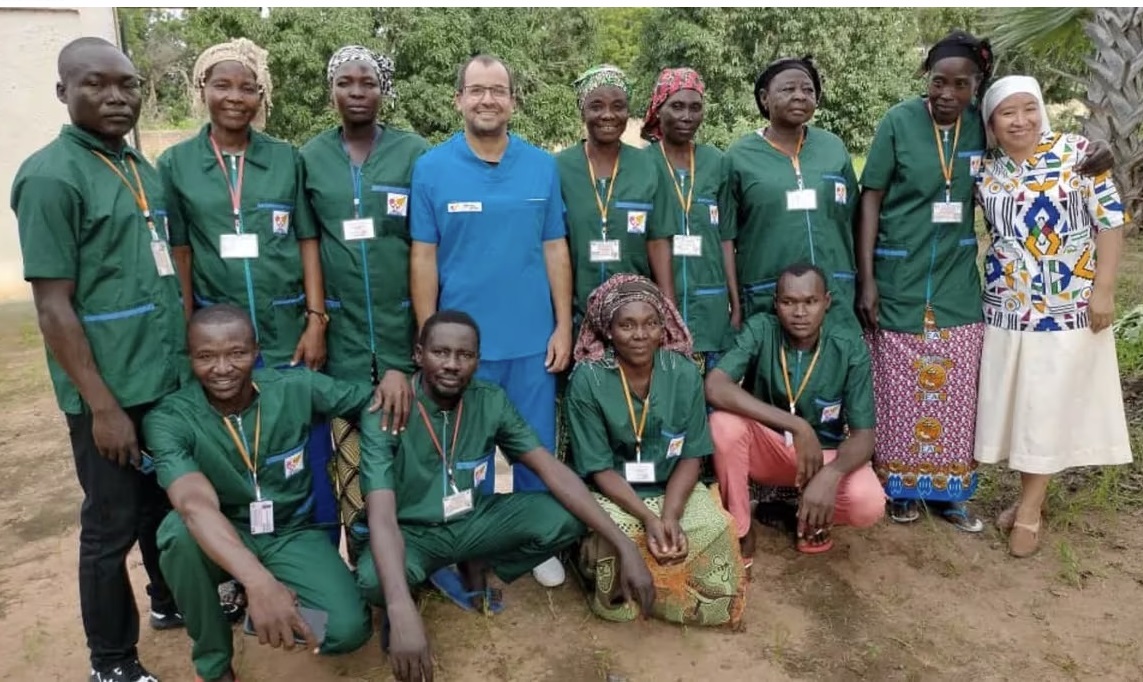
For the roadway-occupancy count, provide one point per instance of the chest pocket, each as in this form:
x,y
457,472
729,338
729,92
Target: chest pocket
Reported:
x,y
394,210
707,212
278,215
831,423
478,474
834,195
635,216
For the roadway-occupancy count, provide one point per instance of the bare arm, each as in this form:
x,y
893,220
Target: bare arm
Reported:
x,y
424,282
184,266
731,266
868,222
853,453
679,487
558,263
311,348
659,255
722,393
619,491
1108,248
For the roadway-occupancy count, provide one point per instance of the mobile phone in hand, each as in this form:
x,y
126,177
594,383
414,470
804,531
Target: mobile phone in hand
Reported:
x,y
314,618
146,462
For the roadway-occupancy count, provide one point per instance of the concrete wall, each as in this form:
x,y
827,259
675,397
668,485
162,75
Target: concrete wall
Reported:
x,y
30,41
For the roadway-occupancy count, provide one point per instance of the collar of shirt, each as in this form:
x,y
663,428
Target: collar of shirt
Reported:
x,y
257,150
89,141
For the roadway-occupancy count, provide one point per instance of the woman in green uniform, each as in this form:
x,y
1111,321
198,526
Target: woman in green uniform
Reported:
x,y
610,189
792,193
639,434
240,226
357,179
692,250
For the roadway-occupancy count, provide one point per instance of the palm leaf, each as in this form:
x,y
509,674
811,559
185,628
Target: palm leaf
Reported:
x,y
1050,32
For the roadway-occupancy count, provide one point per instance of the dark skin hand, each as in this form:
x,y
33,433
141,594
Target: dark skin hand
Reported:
x,y
868,220
394,397
816,507
679,487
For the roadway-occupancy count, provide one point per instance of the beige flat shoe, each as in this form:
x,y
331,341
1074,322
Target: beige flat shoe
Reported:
x,y
1007,518
1024,541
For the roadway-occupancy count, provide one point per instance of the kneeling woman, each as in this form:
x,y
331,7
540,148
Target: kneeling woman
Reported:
x,y
639,433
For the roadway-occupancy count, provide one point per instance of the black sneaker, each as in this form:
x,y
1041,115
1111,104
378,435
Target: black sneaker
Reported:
x,y
131,671
166,618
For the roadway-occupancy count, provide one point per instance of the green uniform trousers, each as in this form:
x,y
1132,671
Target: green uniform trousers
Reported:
x,y
513,533
303,560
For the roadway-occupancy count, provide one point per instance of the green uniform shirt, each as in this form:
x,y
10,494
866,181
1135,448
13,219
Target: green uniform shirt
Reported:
x,y
700,282
78,221
771,237
366,280
410,464
269,287
186,434
839,392
636,206
603,437
916,259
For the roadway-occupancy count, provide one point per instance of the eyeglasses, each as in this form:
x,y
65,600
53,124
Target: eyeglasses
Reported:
x,y
479,91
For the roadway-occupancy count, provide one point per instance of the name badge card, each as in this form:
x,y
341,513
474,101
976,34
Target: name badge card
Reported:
x,y
261,517
238,246
604,250
639,472
947,212
801,200
457,504
356,230
689,245
162,256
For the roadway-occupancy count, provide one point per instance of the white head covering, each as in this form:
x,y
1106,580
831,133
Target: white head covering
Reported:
x,y
1005,88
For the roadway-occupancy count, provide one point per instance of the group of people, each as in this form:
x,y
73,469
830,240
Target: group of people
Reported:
x,y
643,333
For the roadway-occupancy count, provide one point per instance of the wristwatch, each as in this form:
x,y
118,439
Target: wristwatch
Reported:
x,y
323,316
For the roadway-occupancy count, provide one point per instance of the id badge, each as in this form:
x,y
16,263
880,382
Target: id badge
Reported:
x,y
457,504
356,230
801,200
688,245
604,250
238,246
639,472
162,255
261,517
947,212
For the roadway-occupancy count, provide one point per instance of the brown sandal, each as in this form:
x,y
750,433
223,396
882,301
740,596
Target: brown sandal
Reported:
x,y
1024,541
1007,518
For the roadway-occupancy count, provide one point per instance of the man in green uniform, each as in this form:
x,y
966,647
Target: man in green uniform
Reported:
x,y
93,234
809,421
428,494
232,452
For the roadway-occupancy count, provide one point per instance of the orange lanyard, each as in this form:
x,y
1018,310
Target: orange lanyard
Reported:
x,y
445,459
602,203
685,203
637,427
233,186
137,192
947,164
795,158
251,464
805,380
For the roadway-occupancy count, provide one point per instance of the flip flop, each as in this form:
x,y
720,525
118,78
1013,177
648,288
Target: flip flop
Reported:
x,y
958,515
805,547
904,511
448,582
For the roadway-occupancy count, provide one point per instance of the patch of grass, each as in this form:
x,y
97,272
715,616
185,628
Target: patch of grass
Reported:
x,y
1071,571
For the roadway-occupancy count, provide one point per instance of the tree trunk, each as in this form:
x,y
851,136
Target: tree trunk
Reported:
x,y
1115,97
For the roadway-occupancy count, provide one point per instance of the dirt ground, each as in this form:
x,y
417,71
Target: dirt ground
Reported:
x,y
892,603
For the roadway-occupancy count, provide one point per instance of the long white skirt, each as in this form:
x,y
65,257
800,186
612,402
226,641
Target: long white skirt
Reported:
x,y
1049,401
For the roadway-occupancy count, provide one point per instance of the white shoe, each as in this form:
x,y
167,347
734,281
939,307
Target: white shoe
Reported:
x,y
550,573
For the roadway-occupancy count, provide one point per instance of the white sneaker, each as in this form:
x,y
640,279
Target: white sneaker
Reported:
x,y
550,573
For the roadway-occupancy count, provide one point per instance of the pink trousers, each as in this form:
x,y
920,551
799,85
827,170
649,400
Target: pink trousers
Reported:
x,y
745,451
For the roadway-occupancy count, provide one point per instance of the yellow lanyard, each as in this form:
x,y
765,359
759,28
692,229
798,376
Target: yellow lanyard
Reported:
x,y
805,380
137,192
251,464
947,164
687,202
795,160
637,427
600,201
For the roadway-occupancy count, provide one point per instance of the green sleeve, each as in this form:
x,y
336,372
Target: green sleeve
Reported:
x,y
859,412
378,450
305,224
513,435
177,231
882,158
334,398
698,442
662,226
851,188
727,205
48,216
589,445
169,437
747,347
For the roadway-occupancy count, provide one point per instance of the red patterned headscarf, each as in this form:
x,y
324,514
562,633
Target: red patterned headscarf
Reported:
x,y
608,298
670,81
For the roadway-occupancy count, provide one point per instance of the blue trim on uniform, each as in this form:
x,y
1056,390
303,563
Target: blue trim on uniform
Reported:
x,y
708,202
406,303
389,188
967,241
275,206
159,212
120,314
830,176
281,456
634,206
891,253
288,301
760,286
969,153
332,304
845,275
306,507
709,291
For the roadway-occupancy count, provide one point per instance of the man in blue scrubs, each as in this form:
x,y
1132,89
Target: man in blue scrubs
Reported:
x,y
487,224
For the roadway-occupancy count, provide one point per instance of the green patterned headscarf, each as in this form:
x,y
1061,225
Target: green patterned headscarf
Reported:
x,y
598,77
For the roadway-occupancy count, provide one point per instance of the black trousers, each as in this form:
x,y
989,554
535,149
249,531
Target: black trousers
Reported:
x,y
120,506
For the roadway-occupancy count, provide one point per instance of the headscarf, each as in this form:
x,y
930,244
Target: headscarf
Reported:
x,y
598,77
246,53
608,298
962,44
1002,90
805,65
670,81
382,66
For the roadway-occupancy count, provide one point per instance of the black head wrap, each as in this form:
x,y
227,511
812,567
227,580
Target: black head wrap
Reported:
x,y
804,64
963,44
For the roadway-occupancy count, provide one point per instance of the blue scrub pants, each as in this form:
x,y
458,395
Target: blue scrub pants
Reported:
x,y
532,391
